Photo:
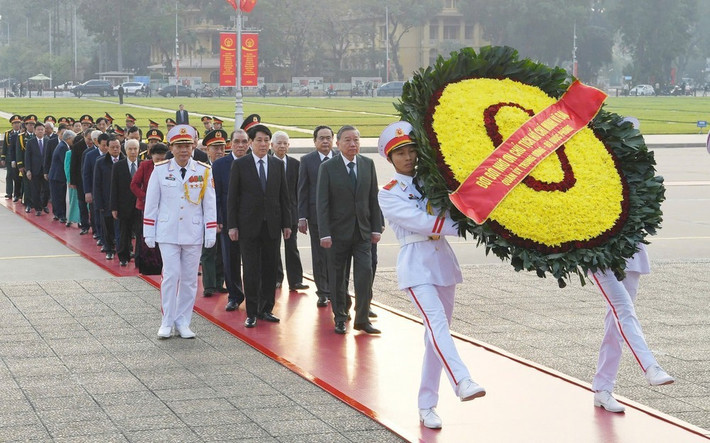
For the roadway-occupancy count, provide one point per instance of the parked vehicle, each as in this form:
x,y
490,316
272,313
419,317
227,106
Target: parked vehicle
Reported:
x,y
132,88
182,91
393,89
642,90
100,87
305,91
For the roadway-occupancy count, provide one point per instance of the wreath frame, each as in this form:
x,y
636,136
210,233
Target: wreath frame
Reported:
x,y
644,189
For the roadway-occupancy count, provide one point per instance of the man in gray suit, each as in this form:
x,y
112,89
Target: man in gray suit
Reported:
x,y
307,213
349,220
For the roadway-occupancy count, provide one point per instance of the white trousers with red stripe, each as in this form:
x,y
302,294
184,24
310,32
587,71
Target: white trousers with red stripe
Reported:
x,y
178,288
436,306
620,326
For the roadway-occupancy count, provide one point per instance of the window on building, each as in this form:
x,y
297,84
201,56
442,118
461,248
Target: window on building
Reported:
x,y
450,4
452,30
468,34
434,31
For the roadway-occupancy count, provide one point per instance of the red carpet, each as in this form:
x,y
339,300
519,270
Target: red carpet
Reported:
x,y
379,375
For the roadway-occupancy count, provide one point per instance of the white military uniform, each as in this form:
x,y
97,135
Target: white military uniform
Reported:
x,y
428,271
621,324
178,219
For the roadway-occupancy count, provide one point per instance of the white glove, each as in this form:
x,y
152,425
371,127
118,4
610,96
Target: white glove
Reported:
x,y
209,242
150,242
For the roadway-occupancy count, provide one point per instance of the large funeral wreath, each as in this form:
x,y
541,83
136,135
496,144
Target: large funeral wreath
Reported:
x,y
585,207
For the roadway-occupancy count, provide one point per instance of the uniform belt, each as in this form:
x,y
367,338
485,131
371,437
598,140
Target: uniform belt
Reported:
x,y
416,238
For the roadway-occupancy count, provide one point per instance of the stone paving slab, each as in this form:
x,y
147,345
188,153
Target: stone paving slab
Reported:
x,y
80,361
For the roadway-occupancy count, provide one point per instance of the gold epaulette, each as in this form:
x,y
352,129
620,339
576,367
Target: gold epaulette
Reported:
x,y
162,162
206,165
389,185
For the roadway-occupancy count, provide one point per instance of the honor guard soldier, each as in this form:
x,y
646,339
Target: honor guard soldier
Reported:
x,y
153,136
427,270
207,121
130,121
20,149
216,123
180,214
50,118
109,119
169,123
86,121
153,124
13,182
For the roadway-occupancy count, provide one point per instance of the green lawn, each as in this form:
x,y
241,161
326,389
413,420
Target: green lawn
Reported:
x,y
658,115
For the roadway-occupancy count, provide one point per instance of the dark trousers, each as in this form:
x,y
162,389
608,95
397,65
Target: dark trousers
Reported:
x,y
96,221
83,208
294,269
319,258
13,183
128,226
259,257
40,192
341,253
58,191
108,230
212,269
26,191
232,263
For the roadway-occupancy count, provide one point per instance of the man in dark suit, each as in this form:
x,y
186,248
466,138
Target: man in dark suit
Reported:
x,y
102,193
307,211
54,163
76,178
181,116
34,169
294,269
258,210
349,220
123,201
231,253
88,165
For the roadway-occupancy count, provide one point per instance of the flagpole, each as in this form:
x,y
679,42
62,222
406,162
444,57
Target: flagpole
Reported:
x,y
239,109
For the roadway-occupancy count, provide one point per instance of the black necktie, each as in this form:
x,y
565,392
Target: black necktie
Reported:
x,y
41,147
262,175
133,169
182,172
353,179
324,159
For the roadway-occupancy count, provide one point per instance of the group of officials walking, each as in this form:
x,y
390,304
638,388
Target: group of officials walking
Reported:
x,y
244,202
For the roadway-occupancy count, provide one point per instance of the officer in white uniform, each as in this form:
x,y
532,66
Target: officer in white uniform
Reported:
x,y
622,326
180,211
427,270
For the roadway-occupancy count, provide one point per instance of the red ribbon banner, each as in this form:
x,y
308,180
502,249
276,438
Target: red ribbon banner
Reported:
x,y
250,59
516,157
228,59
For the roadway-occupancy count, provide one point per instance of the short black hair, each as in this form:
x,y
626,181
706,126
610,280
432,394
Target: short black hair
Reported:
x,y
318,129
133,129
103,136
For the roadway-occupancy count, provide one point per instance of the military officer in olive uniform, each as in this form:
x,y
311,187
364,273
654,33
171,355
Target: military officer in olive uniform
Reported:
x,y
180,214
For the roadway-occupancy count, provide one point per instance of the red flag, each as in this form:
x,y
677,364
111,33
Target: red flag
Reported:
x,y
247,5
233,3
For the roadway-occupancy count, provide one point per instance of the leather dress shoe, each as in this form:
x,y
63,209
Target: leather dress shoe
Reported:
x,y
109,256
124,263
232,305
366,327
250,323
340,327
165,332
222,290
604,399
429,418
46,210
8,196
28,210
68,224
62,220
208,292
268,316
38,213
55,218
104,249
371,314
322,301
84,231
467,390
95,236
99,242
298,287
656,376
15,199
185,332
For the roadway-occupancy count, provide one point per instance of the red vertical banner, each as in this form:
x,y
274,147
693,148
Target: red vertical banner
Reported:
x,y
227,59
250,59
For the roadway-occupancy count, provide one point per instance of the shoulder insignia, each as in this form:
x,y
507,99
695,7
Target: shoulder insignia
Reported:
x,y
162,162
389,185
206,165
